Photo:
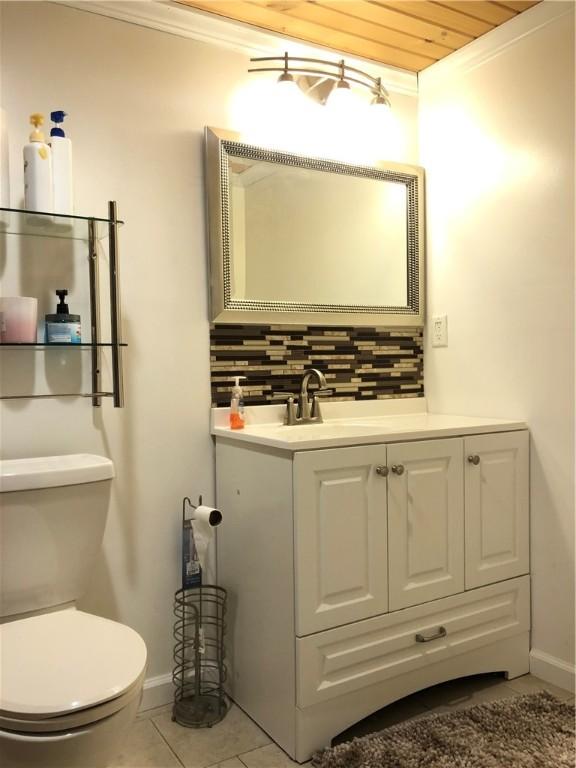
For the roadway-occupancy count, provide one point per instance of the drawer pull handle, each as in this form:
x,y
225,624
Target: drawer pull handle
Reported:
x,y
427,638
474,459
382,470
398,469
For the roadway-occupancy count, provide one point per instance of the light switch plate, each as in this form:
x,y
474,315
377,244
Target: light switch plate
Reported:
x,y
440,331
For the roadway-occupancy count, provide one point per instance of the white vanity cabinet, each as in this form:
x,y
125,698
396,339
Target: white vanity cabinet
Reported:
x,y
357,575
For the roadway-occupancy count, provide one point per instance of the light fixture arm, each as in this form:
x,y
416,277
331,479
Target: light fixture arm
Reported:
x,y
337,71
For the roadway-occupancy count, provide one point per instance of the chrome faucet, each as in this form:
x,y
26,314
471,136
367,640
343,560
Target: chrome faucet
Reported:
x,y
308,410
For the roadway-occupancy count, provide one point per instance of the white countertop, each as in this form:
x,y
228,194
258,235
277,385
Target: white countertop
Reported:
x,y
354,423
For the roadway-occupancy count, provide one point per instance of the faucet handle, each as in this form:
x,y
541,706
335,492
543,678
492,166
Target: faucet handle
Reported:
x,y
315,412
283,395
322,392
291,414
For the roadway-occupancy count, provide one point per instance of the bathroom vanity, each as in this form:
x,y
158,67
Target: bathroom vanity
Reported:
x,y
367,557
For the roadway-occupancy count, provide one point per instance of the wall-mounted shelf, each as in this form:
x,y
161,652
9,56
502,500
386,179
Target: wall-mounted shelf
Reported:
x,y
91,229
15,221
57,395
56,345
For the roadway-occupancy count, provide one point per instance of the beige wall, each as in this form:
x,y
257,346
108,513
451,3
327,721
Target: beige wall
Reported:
x,y
138,101
497,142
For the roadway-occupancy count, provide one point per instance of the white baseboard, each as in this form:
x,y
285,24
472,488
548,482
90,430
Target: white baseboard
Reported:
x,y
157,692
552,669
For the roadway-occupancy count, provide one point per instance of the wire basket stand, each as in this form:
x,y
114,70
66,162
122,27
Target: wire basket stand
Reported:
x,y
200,672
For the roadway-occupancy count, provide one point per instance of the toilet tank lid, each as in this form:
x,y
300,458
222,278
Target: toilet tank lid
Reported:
x,y
53,471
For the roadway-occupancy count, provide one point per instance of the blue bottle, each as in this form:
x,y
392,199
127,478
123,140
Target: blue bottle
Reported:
x,y
63,328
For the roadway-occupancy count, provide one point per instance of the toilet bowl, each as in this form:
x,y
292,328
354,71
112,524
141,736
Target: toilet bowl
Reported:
x,y
70,682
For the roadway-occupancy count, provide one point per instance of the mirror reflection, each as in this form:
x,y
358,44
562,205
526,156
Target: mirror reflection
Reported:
x,y
304,235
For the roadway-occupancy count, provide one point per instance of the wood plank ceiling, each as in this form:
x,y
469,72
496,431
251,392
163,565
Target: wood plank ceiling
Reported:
x,y
410,34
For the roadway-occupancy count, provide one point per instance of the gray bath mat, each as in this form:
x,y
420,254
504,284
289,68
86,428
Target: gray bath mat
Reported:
x,y
532,731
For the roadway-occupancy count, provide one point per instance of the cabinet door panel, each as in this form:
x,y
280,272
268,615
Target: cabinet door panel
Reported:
x,y
425,522
340,531
497,524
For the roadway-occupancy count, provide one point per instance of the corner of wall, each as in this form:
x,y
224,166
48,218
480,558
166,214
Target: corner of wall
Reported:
x,y
552,670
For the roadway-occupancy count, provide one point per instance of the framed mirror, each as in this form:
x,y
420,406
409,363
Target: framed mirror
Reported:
x,y
299,240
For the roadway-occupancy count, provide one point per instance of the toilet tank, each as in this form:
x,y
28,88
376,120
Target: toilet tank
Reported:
x,y
52,517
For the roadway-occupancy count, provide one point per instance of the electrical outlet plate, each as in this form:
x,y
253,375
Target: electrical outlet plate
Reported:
x,y
440,331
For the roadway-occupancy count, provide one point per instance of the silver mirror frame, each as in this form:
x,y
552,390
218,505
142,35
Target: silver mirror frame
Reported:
x,y
221,144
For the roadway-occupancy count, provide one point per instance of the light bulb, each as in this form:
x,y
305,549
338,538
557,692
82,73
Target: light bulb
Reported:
x,y
288,113
340,97
287,88
380,113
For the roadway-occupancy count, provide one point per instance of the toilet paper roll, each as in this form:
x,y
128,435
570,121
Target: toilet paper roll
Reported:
x,y
203,524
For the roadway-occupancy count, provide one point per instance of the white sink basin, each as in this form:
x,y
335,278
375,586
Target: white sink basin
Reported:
x,y
395,423
325,430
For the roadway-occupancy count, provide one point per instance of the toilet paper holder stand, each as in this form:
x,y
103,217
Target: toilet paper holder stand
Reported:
x,y
199,673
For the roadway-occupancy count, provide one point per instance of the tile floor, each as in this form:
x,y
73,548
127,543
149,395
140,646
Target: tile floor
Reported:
x,y
237,742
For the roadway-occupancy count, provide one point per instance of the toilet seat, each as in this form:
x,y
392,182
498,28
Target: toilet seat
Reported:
x,y
77,719
67,669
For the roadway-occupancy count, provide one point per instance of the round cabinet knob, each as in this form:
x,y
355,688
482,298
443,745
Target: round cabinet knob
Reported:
x,y
382,470
398,469
474,460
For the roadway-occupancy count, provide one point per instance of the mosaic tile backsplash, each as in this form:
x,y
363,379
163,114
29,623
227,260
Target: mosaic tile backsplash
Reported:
x,y
359,363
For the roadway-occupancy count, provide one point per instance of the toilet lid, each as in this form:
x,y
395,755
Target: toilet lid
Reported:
x,y
65,661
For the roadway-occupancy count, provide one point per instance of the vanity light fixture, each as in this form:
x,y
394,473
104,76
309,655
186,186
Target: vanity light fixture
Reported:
x,y
328,82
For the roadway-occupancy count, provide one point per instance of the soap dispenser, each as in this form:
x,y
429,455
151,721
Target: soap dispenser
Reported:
x,y
63,328
237,405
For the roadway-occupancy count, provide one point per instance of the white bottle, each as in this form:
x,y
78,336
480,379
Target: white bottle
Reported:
x,y
62,186
4,173
37,170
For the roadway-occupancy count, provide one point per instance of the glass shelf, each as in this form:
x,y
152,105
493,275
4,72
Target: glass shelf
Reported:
x,y
59,345
15,221
51,395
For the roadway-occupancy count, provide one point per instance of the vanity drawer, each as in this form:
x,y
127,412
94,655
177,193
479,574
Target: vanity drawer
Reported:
x,y
345,659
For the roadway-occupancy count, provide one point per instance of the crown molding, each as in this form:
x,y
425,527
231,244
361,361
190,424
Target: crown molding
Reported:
x,y
495,42
183,21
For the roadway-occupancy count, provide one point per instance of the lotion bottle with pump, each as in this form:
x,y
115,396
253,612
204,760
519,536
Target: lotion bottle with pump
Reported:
x,y
62,327
62,186
37,169
237,405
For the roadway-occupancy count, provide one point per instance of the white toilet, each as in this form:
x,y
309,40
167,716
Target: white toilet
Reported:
x,y
70,682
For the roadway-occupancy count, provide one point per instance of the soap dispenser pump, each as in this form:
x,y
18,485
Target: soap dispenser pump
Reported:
x,y
63,328
237,405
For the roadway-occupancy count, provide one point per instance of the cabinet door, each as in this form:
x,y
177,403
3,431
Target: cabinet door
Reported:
x,y
425,521
497,517
340,536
